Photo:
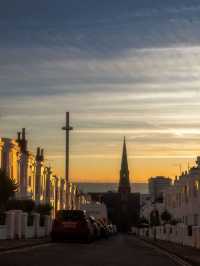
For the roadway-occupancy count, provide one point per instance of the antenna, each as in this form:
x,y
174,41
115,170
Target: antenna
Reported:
x,y
188,166
180,168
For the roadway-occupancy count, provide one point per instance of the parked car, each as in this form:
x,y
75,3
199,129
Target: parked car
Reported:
x,y
112,229
97,230
72,224
103,228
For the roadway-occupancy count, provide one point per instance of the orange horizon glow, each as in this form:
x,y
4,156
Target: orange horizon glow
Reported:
x,y
140,169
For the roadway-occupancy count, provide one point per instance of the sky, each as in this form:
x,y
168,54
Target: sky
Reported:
x,y
121,67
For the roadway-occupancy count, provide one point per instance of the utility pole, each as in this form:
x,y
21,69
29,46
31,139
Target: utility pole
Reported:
x,y
67,129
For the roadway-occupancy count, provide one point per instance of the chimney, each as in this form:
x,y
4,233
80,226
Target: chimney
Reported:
x,y
23,140
18,137
38,154
42,154
23,133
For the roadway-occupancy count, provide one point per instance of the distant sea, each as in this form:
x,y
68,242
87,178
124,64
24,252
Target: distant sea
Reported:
x,y
105,187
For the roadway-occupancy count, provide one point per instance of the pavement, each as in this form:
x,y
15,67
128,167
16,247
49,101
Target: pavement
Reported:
x,y
120,250
190,254
6,245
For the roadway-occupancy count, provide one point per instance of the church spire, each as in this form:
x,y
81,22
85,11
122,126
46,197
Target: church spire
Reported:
x,y
124,183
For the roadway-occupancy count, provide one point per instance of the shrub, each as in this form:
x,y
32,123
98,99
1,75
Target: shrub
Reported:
x,y
143,220
43,209
174,221
24,205
166,216
7,188
154,218
13,205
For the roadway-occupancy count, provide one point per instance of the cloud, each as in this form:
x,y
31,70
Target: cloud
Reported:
x,y
98,29
111,66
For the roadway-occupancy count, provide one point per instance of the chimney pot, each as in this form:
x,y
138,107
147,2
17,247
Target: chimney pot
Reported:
x,y
38,151
42,154
18,136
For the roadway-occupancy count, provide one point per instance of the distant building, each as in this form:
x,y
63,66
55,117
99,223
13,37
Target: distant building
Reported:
x,y
144,198
123,206
157,185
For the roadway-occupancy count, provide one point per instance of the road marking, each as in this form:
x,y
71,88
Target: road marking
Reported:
x,y
172,256
24,249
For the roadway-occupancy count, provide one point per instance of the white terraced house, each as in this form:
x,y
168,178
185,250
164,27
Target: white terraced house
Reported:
x,y
35,179
182,199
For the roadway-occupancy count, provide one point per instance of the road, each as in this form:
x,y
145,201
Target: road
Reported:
x,y
121,250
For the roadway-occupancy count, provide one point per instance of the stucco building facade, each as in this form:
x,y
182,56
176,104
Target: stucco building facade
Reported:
x,y
182,199
35,179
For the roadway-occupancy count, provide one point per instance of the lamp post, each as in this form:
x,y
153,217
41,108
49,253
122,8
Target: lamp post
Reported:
x,y
67,129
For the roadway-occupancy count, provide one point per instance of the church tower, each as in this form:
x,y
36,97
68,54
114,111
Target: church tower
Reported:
x,y
124,183
123,206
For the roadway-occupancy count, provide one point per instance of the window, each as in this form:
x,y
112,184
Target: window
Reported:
x,y
186,193
196,188
29,181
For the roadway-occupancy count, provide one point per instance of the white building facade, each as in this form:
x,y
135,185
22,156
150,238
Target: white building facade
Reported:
x,y
35,179
182,199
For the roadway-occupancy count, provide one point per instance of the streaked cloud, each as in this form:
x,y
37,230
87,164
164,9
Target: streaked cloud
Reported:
x,y
121,69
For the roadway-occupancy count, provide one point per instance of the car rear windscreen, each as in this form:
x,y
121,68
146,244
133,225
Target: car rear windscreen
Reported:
x,y
70,215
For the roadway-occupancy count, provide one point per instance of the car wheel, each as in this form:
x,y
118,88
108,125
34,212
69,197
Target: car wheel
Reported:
x,y
88,239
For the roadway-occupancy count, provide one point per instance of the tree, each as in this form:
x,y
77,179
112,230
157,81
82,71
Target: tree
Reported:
x,y
7,188
166,216
154,218
175,221
143,221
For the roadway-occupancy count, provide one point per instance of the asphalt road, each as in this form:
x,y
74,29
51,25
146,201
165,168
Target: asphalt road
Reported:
x,y
121,250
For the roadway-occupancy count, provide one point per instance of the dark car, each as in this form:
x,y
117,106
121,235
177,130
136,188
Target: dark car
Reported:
x,y
103,229
96,227
72,225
